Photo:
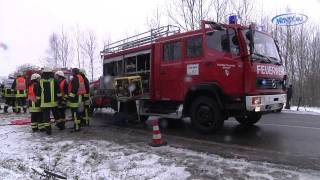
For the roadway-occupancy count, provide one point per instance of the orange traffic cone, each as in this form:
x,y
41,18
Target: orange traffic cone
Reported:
x,y
156,137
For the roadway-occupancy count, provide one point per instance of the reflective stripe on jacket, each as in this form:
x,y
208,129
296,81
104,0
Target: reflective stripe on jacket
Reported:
x,y
8,92
49,93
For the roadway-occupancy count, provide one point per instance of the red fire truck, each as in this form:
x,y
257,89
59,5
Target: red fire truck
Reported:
x,y
210,74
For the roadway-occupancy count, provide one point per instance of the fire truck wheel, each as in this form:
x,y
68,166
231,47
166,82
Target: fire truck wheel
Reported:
x,y
250,119
206,115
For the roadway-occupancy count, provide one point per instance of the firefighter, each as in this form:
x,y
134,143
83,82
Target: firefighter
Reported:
x,y
34,103
8,94
63,86
289,96
20,87
76,89
86,99
49,94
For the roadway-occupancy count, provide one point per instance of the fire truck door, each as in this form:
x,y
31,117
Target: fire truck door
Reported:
x,y
170,73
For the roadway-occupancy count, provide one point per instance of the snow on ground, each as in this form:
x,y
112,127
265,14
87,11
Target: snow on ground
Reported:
x,y
303,110
21,150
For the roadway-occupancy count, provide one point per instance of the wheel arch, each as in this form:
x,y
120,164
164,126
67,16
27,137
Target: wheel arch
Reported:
x,y
210,89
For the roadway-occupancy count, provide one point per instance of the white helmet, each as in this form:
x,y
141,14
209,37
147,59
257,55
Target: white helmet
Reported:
x,y
83,72
35,76
59,73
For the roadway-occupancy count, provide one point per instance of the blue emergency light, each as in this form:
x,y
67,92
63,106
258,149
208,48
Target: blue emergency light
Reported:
x,y
264,82
233,19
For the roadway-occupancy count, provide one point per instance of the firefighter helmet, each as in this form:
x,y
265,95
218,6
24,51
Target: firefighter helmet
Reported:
x,y
35,76
83,71
59,73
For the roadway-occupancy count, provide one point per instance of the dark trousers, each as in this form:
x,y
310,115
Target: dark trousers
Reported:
x,y
36,120
62,114
76,118
46,116
60,123
10,101
21,103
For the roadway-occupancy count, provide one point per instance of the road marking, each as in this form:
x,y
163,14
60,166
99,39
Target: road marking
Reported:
x,y
291,126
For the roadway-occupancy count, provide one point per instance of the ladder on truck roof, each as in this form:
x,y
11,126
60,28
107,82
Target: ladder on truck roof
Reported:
x,y
141,39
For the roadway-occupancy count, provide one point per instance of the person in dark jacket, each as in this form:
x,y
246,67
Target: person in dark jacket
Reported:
x,y
76,90
19,86
62,105
289,96
8,94
86,99
49,94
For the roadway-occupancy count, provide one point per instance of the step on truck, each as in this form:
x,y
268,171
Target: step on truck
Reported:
x,y
208,75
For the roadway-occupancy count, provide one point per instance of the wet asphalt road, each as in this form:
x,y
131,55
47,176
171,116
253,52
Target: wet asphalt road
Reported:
x,y
285,138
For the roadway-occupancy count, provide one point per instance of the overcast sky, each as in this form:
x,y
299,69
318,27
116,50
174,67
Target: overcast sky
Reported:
x,y
25,25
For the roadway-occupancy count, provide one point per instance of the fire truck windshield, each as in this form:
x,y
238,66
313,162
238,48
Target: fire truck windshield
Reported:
x,y
264,46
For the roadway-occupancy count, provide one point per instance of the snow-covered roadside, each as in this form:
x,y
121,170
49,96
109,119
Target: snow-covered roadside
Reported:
x,y
303,110
22,150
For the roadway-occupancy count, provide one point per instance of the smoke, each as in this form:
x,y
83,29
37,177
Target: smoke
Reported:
x,y
3,46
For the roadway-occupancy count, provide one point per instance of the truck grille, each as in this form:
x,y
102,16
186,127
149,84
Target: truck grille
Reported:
x,y
269,83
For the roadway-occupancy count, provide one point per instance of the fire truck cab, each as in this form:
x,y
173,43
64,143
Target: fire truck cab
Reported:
x,y
210,74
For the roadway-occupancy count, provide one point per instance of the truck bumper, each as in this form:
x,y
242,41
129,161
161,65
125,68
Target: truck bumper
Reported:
x,y
265,102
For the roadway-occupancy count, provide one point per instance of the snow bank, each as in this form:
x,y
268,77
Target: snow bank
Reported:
x,y
22,150
303,110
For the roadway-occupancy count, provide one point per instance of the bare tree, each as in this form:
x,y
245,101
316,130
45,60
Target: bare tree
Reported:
x,y
53,51
220,9
243,9
78,39
60,51
89,48
154,21
65,48
187,14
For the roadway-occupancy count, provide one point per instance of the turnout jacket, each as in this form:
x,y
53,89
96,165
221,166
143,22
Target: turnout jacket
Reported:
x,y
49,92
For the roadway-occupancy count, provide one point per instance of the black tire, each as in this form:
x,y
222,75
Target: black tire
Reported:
x,y
206,115
279,110
250,119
